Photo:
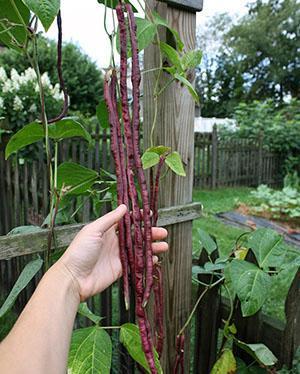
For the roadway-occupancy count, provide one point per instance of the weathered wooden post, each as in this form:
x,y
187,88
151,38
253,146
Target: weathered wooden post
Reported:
x,y
214,157
175,128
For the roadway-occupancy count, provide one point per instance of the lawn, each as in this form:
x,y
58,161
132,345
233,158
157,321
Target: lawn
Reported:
x,y
225,199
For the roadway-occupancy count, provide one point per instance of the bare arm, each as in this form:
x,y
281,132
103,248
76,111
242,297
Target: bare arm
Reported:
x,y
39,342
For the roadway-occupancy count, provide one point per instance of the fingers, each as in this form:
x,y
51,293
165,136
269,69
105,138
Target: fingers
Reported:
x,y
159,233
160,247
110,219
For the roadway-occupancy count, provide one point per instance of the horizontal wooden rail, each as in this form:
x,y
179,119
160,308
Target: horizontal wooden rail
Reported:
x,y
25,244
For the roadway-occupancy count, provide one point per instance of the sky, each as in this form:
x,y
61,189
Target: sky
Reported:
x,y
83,24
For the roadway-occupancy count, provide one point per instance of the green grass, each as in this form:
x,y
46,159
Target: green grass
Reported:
x,y
226,199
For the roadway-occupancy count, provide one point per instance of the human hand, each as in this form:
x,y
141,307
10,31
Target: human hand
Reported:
x,y
93,256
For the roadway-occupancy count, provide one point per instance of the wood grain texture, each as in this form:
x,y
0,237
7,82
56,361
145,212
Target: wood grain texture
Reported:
x,y
175,128
24,244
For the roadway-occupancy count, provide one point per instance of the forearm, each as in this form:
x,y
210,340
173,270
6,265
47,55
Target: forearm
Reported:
x,y
43,331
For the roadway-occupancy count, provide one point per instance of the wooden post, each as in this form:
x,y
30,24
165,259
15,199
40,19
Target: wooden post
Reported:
x,y
214,157
260,159
175,128
291,341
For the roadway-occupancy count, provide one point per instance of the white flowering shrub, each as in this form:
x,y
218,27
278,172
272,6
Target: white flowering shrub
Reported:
x,y
19,98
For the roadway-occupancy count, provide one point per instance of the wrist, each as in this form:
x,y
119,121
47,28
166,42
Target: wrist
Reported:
x,y
65,278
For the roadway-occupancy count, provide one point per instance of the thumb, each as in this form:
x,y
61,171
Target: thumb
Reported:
x,y
104,223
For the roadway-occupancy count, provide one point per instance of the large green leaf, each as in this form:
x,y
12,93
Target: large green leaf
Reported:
x,y
130,337
207,241
191,59
188,85
76,178
45,10
68,128
173,160
85,311
265,245
14,18
251,285
113,3
149,159
90,351
25,277
172,56
226,364
29,229
259,352
29,134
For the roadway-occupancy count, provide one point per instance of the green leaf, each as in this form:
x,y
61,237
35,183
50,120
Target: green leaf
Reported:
x,y
251,285
146,32
191,59
25,230
259,352
160,150
113,3
159,21
85,311
207,242
76,178
102,114
172,56
149,159
173,160
265,245
14,18
45,10
226,364
90,351
130,337
29,134
67,128
188,85
25,277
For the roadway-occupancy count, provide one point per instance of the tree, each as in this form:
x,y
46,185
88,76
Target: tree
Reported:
x,y
83,79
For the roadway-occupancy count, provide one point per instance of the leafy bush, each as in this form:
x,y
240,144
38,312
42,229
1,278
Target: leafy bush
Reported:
x,y
285,202
83,79
280,128
19,98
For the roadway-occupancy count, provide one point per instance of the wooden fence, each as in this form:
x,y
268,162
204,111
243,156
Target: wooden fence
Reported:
x,y
24,187
235,162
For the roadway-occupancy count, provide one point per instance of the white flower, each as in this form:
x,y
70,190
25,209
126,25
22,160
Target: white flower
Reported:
x,y
45,80
30,75
32,108
36,88
14,75
56,93
18,105
7,86
1,103
3,75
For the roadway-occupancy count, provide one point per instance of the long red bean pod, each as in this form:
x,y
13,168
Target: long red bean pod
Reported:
x,y
179,360
136,79
127,220
115,153
158,309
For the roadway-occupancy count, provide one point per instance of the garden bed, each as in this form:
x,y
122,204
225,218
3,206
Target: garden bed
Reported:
x,y
236,218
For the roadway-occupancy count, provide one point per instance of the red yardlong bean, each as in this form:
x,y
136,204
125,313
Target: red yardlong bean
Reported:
x,y
136,79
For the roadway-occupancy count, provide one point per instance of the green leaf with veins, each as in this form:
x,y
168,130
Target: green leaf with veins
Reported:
x,y
226,364
251,285
173,160
14,18
45,10
259,352
149,159
68,128
191,59
130,337
207,241
90,351
160,150
172,55
29,134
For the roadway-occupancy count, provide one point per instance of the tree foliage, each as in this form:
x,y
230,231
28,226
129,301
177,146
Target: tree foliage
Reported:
x,y
257,57
83,79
